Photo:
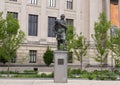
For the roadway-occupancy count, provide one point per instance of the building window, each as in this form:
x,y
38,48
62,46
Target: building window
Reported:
x,y
33,2
32,54
70,22
51,24
13,60
32,25
52,3
13,0
69,4
70,57
15,14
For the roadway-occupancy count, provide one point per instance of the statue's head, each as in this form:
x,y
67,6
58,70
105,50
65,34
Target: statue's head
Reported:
x,y
62,16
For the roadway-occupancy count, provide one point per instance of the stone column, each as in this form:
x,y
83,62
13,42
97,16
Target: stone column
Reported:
x,y
2,8
95,10
62,6
43,30
24,19
107,9
60,67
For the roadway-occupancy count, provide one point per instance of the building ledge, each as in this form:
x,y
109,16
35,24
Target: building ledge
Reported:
x,y
33,5
13,2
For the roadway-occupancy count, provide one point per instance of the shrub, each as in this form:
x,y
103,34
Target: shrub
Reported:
x,y
43,75
113,78
6,72
84,75
73,71
117,65
76,71
102,78
105,71
26,76
84,72
69,72
48,56
90,77
30,72
117,72
50,75
95,71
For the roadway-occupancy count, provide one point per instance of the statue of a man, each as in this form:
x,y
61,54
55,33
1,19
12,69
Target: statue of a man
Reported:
x,y
60,30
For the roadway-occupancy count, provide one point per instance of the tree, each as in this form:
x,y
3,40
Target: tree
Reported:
x,y
79,46
115,45
100,38
48,56
70,33
11,38
76,43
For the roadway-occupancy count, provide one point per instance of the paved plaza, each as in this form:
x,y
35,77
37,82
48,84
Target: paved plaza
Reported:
x,y
51,82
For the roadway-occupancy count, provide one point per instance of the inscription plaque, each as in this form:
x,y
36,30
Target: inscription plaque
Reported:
x,y
60,61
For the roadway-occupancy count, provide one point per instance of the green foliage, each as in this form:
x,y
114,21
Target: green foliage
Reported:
x,y
69,37
96,74
117,61
69,72
3,59
73,73
26,76
70,33
100,38
79,47
113,76
2,27
50,75
48,56
30,72
43,75
76,71
76,43
10,36
91,76
106,75
5,72
115,45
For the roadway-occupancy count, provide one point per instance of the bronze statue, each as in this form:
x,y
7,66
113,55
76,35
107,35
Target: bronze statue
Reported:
x,y
60,30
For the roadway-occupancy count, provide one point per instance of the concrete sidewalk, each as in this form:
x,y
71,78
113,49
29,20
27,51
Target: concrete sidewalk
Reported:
x,y
51,82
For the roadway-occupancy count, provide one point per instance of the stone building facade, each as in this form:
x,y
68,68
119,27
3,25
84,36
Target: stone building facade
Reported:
x,y
36,18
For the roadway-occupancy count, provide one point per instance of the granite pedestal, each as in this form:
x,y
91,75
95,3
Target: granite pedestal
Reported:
x,y
60,67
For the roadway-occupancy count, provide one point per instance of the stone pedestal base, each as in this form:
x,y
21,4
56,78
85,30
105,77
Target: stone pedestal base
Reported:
x,y
60,67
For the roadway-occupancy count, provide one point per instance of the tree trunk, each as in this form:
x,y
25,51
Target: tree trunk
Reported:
x,y
8,73
111,61
101,66
81,63
101,63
